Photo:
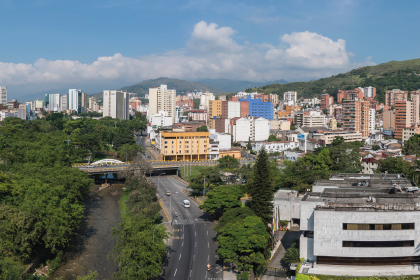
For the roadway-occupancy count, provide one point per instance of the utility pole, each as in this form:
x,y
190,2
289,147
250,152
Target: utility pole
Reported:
x,y
204,185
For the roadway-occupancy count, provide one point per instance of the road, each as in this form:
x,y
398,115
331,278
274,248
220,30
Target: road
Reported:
x,y
193,241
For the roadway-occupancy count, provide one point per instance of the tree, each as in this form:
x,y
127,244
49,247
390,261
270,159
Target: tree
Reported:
x,y
228,162
261,188
396,165
325,111
92,275
376,147
196,103
412,145
233,215
337,141
346,158
243,243
293,127
272,138
292,254
249,145
129,152
221,199
202,128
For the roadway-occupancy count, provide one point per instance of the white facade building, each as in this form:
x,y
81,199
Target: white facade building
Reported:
x,y
250,128
314,119
261,129
162,99
234,109
3,95
290,96
64,105
75,100
205,99
54,102
223,139
4,115
116,104
161,119
372,120
275,146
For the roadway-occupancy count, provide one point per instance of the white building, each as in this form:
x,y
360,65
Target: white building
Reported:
x,y
53,102
205,99
3,95
234,109
161,119
4,114
223,139
244,94
162,99
250,128
372,120
290,96
275,146
315,119
64,105
116,104
75,100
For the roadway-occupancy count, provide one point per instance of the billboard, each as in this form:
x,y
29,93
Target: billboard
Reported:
x,y
301,136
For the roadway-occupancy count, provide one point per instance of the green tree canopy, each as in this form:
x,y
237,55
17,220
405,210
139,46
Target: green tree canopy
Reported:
x,y
396,165
244,242
346,158
272,138
228,162
412,146
202,128
233,215
221,199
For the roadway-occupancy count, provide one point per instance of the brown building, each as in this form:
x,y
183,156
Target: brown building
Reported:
x,y
215,110
356,116
244,108
389,119
403,117
350,94
188,126
391,96
326,100
338,114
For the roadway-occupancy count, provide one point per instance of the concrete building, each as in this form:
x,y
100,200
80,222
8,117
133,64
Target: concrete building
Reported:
x,y
84,103
326,100
3,95
39,104
391,96
215,110
64,105
410,131
183,145
372,120
368,92
328,136
224,140
53,102
234,109
161,119
198,115
389,119
260,109
404,117
356,116
356,94
249,128
314,118
290,96
116,104
275,146
162,99
280,125
75,100
205,100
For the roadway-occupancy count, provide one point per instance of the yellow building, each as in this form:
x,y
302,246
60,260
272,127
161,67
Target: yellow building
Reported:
x,y
215,110
183,145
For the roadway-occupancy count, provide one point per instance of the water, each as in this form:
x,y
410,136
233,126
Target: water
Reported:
x,y
90,248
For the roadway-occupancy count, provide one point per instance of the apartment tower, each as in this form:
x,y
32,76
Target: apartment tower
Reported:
x,y
356,116
162,99
3,95
75,100
116,104
391,96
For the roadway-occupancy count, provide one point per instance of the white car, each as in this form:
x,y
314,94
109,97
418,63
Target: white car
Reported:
x,y
186,203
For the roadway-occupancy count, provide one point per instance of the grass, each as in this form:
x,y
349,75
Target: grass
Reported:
x,y
195,171
124,212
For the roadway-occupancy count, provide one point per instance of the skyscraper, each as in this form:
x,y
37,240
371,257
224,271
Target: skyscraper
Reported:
x,y
356,116
64,102
75,100
84,103
162,99
53,102
3,95
116,104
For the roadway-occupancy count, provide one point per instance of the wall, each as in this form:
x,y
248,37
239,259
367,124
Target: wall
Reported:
x,y
329,233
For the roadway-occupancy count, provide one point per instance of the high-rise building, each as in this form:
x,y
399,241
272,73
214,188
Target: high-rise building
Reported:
x,y
369,92
354,94
258,108
372,121
391,96
356,116
162,99
403,117
53,102
64,104
290,96
205,100
215,111
75,100
116,104
84,103
415,99
326,100
389,119
3,95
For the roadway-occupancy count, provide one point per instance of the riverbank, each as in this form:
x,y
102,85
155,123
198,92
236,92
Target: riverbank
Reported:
x,y
89,250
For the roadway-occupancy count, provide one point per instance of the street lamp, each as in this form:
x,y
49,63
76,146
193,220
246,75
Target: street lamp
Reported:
x,y
156,227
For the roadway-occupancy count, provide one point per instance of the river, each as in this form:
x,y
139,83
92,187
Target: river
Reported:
x,y
90,248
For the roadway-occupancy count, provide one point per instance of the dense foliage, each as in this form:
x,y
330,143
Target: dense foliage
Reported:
x,y
221,199
40,193
228,162
412,146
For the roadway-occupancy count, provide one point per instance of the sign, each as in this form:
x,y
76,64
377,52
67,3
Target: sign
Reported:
x,y
301,136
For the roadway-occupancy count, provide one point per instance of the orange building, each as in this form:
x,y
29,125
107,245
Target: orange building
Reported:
x,y
233,153
183,145
356,116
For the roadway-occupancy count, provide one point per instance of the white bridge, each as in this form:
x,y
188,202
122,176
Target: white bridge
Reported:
x,y
107,161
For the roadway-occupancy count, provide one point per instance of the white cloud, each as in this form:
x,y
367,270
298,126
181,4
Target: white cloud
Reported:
x,y
211,52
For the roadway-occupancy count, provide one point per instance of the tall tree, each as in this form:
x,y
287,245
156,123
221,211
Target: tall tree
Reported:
x,y
249,145
261,188
412,145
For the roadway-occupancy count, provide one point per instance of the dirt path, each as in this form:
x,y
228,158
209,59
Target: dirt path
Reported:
x,y
90,249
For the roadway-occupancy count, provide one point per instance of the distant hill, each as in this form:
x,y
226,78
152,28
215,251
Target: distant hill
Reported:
x,y
386,76
236,86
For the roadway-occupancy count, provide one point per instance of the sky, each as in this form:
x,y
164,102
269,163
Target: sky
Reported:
x,y
106,44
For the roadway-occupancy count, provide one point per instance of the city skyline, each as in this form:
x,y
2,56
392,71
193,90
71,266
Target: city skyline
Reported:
x,y
248,40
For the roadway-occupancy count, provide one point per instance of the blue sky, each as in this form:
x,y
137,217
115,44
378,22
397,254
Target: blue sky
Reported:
x,y
95,45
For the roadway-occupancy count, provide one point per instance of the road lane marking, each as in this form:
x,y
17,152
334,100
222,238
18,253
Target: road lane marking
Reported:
x,y
179,256
175,271
207,232
195,233
182,243
190,273
195,244
208,244
194,258
208,256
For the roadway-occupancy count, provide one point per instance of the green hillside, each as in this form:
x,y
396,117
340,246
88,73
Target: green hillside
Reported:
x,y
403,75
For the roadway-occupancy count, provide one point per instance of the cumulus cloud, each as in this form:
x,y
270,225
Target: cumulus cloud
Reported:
x,y
210,52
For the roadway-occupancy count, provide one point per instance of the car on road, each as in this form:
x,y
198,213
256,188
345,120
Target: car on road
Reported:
x,y
168,193
104,164
90,166
186,203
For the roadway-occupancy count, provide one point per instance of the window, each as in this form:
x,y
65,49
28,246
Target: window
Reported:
x,y
166,147
403,226
166,142
187,151
376,244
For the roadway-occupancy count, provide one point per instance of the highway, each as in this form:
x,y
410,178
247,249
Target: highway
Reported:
x,y
193,241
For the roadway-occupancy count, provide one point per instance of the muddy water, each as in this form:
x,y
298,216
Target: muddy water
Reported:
x,y
90,248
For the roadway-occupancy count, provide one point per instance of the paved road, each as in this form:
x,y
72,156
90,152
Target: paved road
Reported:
x,y
193,243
